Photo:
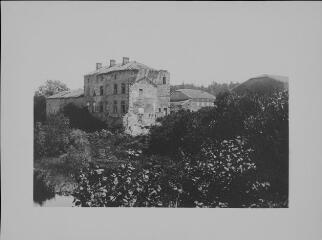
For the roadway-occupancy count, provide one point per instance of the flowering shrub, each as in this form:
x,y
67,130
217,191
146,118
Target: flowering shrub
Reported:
x,y
207,180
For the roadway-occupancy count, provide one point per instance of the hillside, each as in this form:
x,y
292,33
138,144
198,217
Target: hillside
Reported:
x,y
262,84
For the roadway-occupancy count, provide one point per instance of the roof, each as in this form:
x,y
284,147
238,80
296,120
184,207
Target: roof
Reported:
x,y
184,94
68,94
179,103
133,65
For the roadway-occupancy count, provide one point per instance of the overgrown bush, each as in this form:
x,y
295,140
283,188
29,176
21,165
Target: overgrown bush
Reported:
x,y
42,189
222,175
78,153
51,138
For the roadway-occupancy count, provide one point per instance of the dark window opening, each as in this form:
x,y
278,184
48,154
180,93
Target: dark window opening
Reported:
x,y
115,88
123,88
164,80
123,108
101,90
115,107
159,109
165,111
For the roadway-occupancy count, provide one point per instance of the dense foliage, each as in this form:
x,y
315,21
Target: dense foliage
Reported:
x,y
51,138
232,155
222,175
214,88
42,189
50,88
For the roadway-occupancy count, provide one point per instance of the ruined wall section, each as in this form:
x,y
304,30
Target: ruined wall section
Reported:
x,y
143,100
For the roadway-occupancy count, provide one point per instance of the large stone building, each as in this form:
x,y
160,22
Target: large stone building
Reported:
x,y
191,99
130,92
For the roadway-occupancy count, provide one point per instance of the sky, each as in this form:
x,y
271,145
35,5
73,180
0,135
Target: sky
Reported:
x,y
197,42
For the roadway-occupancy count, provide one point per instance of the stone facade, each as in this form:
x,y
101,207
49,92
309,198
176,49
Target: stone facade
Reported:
x,y
129,92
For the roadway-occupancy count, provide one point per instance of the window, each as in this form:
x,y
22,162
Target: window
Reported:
x,y
115,88
115,107
94,94
106,89
140,92
165,111
115,76
101,107
101,90
88,106
123,88
123,109
164,80
106,106
159,109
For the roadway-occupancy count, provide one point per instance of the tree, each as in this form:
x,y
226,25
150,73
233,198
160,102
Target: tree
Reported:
x,y
39,108
51,87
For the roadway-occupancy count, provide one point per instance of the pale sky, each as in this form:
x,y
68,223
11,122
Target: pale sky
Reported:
x,y
197,42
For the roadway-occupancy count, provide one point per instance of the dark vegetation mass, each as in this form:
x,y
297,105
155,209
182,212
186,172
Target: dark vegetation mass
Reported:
x,y
234,154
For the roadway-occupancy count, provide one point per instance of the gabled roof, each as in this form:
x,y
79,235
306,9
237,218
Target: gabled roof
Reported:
x,y
133,65
68,94
184,94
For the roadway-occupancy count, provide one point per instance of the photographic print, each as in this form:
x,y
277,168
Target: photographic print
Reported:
x,y
189,110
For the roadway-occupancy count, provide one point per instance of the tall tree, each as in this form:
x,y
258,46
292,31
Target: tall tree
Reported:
x,y
50,88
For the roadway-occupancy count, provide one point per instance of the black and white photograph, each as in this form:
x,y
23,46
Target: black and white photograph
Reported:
x,y
117,107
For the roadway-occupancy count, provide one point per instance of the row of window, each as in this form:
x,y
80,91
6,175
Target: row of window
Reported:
x,y
204,104
123,88
99,107
100,78
115,90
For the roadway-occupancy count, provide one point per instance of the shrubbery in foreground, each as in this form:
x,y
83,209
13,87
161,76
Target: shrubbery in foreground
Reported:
x,y
222,175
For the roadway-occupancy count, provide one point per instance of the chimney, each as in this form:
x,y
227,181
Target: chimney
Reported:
x,y
125,60
112,62
98,66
